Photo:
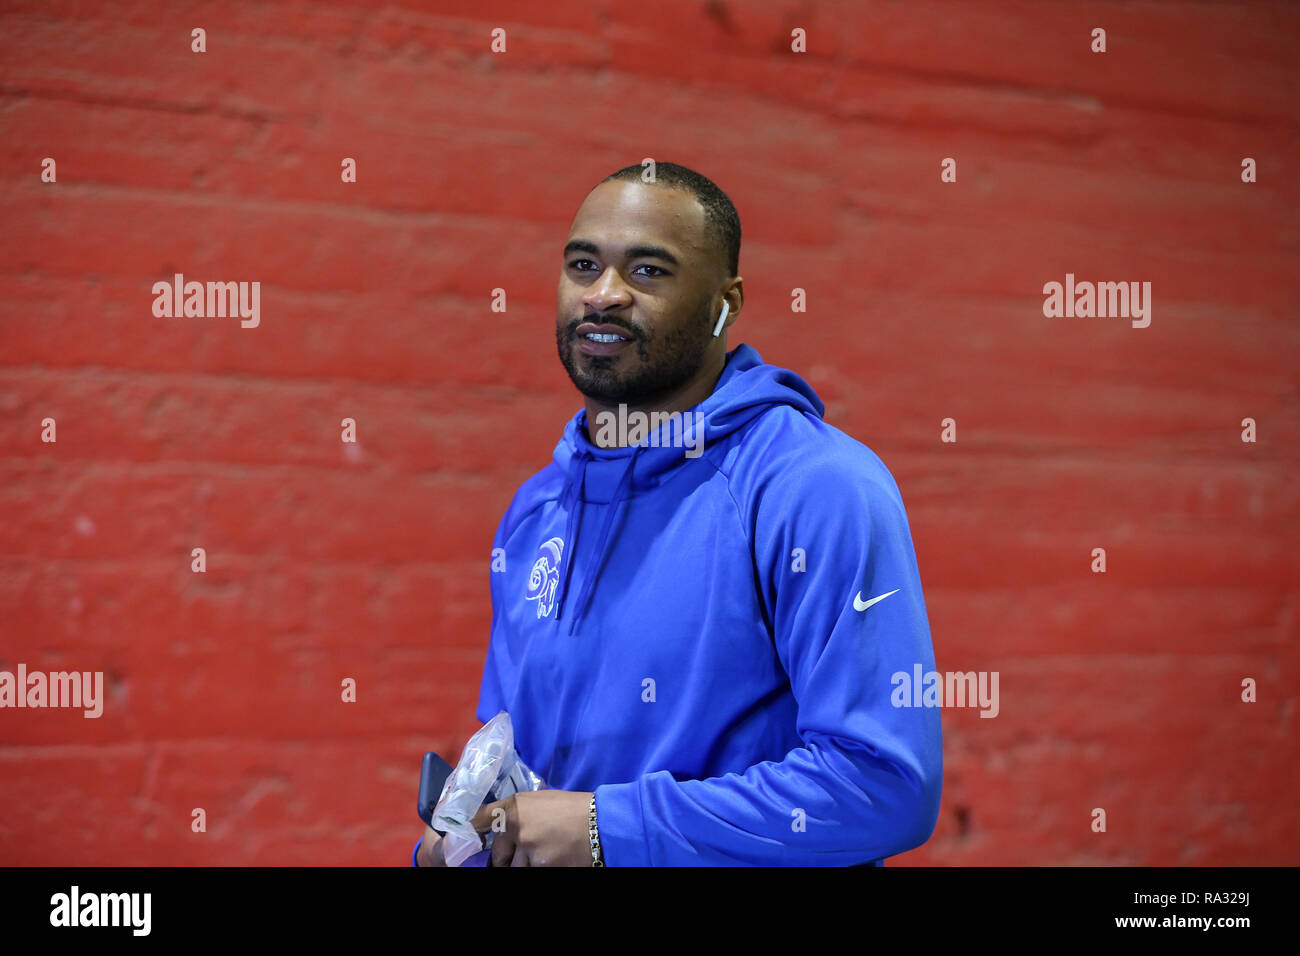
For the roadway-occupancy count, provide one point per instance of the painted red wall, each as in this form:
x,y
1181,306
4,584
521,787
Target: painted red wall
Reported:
x,y
1118,690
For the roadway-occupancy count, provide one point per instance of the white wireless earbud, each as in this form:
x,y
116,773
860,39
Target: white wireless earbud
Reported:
x,y
717,329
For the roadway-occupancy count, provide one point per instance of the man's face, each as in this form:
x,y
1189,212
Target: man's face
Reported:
x,y
637,264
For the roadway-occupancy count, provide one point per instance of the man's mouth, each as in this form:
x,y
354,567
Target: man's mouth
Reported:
x,y
601,339
602,333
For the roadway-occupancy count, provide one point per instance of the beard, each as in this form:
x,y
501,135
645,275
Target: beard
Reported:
x,y
653,365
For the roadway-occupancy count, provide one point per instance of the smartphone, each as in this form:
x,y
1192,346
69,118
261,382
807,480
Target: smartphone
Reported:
x,y
434,772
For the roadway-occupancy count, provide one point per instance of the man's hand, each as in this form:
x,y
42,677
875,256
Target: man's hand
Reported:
x,y
430,853
538,828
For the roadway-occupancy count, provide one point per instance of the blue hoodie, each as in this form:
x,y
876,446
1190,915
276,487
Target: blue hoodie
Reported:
x,y
677,632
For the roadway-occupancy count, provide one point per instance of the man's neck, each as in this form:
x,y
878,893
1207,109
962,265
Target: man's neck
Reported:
x,y
686,397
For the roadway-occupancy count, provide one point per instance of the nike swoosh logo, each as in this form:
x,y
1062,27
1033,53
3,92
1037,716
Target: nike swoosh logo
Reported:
x,y
861,605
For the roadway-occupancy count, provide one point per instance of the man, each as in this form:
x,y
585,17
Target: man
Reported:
x,y
697,627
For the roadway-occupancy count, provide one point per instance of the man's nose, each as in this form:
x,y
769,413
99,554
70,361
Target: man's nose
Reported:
x,y
606,292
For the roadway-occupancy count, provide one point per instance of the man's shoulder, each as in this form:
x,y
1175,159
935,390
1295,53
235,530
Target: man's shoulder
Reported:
x,y
798,472
789,448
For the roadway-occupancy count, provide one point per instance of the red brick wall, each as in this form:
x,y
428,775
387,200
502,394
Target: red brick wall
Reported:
x,y
1118,690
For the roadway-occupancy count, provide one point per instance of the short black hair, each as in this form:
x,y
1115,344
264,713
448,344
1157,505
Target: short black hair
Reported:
x,y
720,218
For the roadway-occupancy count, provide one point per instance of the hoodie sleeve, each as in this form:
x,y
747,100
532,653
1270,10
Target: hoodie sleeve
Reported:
x,y
825,530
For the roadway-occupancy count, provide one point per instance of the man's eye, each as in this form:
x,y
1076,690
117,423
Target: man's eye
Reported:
x,y
580,263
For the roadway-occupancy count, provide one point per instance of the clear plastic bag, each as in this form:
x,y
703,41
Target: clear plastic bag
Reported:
x,y
489,770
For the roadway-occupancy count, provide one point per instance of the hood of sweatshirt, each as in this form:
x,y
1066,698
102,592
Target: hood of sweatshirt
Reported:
x,y
746,389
